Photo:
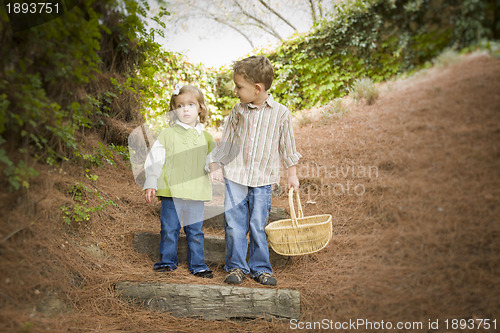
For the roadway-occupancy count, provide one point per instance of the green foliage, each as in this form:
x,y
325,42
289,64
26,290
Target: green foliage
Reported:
x,y
90,176
51,83
100,61
475,21
120,151
27,326
446,58
97,157
82,209
363,89
376,39
334,109
225,98
18,175
101,154
171,68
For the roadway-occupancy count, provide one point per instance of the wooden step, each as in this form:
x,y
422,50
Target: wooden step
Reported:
x,y
148,243
212,302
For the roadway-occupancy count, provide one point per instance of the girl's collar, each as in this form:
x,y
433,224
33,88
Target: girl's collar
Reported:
x,y
198,127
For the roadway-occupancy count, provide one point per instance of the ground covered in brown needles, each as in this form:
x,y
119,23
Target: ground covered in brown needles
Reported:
x,y
413,185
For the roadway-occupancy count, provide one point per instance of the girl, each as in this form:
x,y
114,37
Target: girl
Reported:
x,y
175,173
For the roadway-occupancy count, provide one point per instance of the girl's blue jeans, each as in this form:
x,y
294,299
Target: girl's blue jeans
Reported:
x,y
172,209
246,211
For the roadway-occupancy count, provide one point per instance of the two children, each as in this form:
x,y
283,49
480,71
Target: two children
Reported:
x,y
257,134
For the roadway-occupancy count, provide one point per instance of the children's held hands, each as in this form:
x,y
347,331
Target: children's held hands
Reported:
x,y
150,194
216,174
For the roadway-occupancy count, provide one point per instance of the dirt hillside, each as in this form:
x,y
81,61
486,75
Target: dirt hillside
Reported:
x,y
412,182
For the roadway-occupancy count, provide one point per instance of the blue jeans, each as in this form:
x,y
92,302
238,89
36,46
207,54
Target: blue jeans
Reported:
x,y
172,209
246,209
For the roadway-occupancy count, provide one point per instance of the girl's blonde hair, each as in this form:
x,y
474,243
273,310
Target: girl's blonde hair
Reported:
x,y
203,115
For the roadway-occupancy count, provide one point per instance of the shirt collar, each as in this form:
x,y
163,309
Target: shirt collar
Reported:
x,y
249,106
198,127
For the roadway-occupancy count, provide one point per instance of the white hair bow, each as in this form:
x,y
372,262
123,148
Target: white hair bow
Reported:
x,y
177,89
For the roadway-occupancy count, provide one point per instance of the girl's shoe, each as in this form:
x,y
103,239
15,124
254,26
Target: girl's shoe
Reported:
x,y
235,276
163,269
265,279
204,274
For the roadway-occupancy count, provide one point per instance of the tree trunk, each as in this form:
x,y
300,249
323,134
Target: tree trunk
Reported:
x,y
261,24
313,11
277,14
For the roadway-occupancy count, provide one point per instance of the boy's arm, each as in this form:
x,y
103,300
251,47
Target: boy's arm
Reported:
x,y
288,153
292,180
215,160
223,150
212,167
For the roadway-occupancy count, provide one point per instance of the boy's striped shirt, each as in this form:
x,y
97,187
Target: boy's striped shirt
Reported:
x,y
254,141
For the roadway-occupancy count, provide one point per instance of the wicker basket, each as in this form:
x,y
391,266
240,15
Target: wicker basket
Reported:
x,y
299,235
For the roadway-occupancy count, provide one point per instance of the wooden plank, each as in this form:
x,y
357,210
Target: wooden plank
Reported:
x,y
148,243
212,302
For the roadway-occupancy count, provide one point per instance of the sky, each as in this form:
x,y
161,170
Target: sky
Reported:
x,y
214,51
215,45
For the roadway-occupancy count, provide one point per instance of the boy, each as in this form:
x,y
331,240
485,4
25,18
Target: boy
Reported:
x,y
257,134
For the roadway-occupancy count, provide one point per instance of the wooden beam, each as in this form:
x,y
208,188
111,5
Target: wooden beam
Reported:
x,y
212,302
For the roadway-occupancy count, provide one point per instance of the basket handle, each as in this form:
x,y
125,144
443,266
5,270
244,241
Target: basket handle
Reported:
x,y
292,208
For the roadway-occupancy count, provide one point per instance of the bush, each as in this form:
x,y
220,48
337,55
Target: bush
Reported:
x,y
375,39
446,58
173,68
65,76
363,89
334,108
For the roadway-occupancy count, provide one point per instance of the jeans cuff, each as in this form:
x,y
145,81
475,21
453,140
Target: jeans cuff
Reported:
x,y
200,270
161,266
245,271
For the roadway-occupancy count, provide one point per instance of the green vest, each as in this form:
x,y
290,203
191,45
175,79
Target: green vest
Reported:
x,y
183,174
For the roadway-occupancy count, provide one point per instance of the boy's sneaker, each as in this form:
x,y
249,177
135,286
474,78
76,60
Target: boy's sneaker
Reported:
x,y
204,274
235,276
265,279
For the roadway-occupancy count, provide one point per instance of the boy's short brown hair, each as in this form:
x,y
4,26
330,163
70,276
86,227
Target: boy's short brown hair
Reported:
x,y
255,69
